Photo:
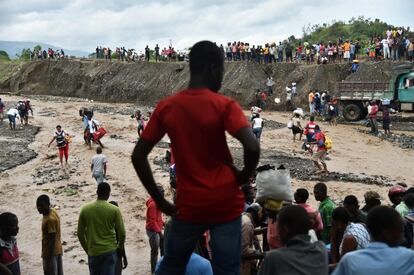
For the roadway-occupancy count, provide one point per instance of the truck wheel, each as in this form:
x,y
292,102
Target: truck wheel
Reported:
x,y
352,112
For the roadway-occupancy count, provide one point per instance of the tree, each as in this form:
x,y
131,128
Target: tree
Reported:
x,y
37,48
25,54
4,56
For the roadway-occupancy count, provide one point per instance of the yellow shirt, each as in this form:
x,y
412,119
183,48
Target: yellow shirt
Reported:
x,y
50,225
311,97
347,47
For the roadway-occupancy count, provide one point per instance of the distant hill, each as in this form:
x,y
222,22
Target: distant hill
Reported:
x,y
360,28
15,47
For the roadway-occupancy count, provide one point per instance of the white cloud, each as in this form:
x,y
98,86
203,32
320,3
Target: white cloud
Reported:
x,y
83,24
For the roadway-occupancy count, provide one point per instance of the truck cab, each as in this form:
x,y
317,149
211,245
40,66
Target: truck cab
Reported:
x,y
404,91
355,96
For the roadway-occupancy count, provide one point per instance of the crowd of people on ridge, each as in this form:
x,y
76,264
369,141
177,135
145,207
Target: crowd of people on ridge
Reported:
x,y
49,54
131,55
214,218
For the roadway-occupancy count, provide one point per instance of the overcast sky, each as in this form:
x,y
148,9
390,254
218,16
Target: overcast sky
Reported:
x,y
83,24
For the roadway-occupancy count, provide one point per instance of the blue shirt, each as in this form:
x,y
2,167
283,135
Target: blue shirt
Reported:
x,y
377,259
197,265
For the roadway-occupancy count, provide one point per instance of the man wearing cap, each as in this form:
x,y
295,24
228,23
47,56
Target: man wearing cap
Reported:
x,y
355,66
396,194
154,226
372,199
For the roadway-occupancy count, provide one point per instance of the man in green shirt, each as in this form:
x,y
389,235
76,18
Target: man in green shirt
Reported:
x,y
101,232
325,208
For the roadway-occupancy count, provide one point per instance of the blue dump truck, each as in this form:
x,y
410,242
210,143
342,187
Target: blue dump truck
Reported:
x,y
354,96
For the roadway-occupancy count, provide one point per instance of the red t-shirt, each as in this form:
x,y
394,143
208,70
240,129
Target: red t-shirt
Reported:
x,y
196,121
154,220
320,139
374,111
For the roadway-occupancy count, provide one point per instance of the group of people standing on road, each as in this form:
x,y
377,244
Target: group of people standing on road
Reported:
x,y
324,105
92,134
20,111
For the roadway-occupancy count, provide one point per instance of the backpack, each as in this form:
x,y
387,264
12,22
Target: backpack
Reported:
x,y
21,108
328,143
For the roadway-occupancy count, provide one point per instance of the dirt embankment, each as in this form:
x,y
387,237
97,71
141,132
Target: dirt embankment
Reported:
x,y
146,83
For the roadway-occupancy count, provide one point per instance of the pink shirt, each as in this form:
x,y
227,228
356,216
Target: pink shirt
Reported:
x,y
272,234
318,225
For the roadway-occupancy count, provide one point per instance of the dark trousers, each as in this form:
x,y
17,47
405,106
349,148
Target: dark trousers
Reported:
x,y
374,126
156,241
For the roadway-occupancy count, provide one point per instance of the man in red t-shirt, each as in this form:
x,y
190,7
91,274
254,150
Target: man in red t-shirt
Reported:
x,y
154,226
320,154
208,184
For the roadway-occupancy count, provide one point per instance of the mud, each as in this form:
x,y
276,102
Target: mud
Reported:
x,y
401,140
272,124
14,145
301,168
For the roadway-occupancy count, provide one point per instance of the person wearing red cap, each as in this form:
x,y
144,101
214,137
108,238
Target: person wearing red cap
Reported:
x,y
396,194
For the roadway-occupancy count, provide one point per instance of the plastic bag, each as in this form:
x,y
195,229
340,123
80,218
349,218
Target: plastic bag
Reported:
x,y
274,184
290,124
299,111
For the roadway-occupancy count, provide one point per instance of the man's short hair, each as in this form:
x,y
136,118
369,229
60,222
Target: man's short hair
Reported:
x,y
409,200
340,214
351,200
104,189
320,186
203,55
295,218
382,218
301,195
99,150
6,219
43,199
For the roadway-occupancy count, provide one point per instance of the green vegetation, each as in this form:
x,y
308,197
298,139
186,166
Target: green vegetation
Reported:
x,y
357,29
4,56
26,53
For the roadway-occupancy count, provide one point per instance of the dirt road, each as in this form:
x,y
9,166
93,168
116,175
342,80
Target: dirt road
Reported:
x,y
359,163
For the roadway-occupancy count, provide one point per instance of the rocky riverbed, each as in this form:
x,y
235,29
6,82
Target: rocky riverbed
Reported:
x,y
15,145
